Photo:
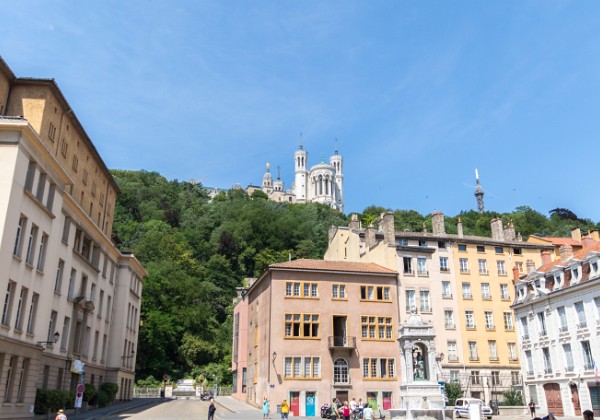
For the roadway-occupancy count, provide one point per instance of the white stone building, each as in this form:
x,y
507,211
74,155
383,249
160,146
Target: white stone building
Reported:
x,y
557,309
322,183
68,295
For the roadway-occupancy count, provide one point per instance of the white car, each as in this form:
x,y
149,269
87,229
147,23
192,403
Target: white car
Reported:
x,y
461,408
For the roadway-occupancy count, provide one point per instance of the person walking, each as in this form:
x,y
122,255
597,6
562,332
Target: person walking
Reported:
x,y
285,409
367,412
345,411
532,408
334,413
211,409
266,409
60,415
588,415
353,408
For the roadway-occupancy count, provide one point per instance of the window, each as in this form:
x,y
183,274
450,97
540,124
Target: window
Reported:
x,y
410,300
462,247
19,237
463,265
340,372
84,177
42,253
501,267
495,377
475,378
21,302
59,273
480,248
422,243
302,325
529,359
515,377
588,360
8,300
96,340
64,337
499,250
41,187
9,378
580,315
52,325
379,367
51,131
482,266
504,292
66,230
493,350
402,242
302,367
301,289
547,360
489,320
449,319
407,264
519,266
381,293
338,291
422,266
31,245
444,264
512,351
542,323
376,327
469,320
108,308
425,303
452,352
562,316
446,293
597,302
466,290
441,244
569,365
29,177
508,321
485,291
75,163
32,313
454,376
100,304
525,328
64,148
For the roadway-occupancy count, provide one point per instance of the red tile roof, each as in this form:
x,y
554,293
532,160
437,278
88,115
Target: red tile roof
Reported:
x,y
579,255
562,241
322,265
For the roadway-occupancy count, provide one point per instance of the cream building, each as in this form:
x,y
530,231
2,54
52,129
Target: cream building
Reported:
x,y
558,311
68,295
460,284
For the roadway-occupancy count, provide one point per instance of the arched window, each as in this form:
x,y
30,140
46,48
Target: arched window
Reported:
x,y
315,182
320,184
326,186
340,371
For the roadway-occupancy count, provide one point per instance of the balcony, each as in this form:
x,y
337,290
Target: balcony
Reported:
x,y
342,381
569,369
582,325
563,329
341,342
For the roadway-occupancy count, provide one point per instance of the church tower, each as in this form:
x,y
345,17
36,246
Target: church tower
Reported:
x,y
267,182
336,162
301,174
479,193
278,185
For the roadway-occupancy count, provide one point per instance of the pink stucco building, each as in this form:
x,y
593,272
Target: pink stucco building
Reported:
x,y
311,330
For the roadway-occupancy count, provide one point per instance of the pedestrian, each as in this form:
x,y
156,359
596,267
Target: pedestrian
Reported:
x,y
60,415
588,415
211,409
285,409
367,412
266,408
550,416
532,408
334,413
353,408
346,411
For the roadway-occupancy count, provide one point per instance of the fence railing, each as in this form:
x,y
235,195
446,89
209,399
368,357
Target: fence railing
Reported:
x,y
144,392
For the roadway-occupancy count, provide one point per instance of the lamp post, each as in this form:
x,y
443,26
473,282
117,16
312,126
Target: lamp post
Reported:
x,y
55,338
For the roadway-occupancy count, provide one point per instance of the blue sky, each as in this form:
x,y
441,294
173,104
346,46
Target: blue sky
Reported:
x,y
417,93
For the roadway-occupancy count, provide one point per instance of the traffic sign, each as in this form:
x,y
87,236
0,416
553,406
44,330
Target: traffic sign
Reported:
x,y
81,388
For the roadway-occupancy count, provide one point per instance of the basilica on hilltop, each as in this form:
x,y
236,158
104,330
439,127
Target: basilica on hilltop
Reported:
x,y
322,183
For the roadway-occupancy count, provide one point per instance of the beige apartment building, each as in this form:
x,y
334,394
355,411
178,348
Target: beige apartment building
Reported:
x,y
70,299
461,284
318,330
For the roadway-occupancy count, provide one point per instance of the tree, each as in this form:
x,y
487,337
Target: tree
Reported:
x,y
512,397
453,392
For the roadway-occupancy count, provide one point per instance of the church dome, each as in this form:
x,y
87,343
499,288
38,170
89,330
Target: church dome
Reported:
x,y
267,177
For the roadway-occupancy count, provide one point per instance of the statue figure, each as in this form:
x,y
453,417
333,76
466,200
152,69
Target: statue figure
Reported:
x,y
419,367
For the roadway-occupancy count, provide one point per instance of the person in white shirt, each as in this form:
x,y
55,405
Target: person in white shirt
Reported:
x,y
367,412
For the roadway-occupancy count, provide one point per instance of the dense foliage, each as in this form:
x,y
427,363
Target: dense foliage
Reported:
x,y
50,400
197,251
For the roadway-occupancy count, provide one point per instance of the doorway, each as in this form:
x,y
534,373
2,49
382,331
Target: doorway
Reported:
x,y
575,399
339,331
311,399
341,395
295,403
553,399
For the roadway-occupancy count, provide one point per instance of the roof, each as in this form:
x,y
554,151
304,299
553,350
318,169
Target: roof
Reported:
x,y
341,266
559,241
579,255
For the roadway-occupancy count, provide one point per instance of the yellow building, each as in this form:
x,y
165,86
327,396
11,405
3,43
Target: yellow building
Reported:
x,y
462,285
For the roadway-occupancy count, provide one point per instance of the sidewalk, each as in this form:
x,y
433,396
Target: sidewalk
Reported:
x,y
133,406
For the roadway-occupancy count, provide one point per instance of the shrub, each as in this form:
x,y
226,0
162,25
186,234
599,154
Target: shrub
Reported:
x,y
90,394
512,397
453,392
106,394
50,400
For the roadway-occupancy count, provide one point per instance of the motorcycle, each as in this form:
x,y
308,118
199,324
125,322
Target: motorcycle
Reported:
x,y
206,396
325,411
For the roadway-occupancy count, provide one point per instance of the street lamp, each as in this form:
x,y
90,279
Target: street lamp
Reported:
x,y
55,338
129,357
274,355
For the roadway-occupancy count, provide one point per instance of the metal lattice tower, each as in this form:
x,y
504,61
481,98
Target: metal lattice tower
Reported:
x,y
479,193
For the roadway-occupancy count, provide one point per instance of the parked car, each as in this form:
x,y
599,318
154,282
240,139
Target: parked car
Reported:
x,y
461,408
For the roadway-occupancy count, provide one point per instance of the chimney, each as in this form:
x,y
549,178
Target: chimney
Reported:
x,y
370,238
587,242
515,274
386,224
576,234
530,266
332,232
509,233
566,252
437,221
594,235
546,257
497,232
519,237
354,222
459,227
